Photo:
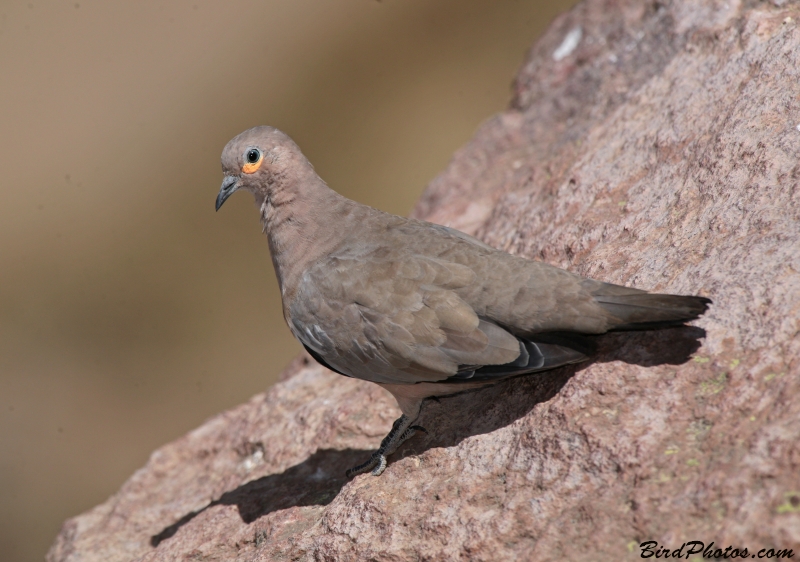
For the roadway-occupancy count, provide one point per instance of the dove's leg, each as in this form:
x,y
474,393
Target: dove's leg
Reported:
x,y
402,429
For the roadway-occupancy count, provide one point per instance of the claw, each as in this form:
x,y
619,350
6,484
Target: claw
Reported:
x,y
365,466
401,430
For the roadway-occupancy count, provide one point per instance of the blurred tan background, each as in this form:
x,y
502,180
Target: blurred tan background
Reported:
x,y
129,310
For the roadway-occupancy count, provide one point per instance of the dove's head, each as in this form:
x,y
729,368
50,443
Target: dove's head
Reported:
x,y
259,160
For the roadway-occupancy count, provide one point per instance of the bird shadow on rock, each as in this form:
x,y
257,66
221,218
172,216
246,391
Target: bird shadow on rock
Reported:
x,y
451,419
315,481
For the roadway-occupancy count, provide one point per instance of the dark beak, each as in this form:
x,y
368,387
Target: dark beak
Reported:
x,y
227,189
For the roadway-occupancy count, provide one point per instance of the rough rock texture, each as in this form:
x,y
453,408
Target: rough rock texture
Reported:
x,y
661,152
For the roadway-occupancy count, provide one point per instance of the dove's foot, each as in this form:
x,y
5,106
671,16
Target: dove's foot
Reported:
x,y
401,430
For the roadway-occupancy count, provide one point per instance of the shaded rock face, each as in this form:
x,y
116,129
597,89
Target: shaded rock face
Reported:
x,y
652,144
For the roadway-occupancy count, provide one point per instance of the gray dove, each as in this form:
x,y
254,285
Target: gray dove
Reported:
x,y
420,309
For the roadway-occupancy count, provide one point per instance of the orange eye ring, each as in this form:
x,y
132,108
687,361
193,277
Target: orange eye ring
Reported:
x,y
254,157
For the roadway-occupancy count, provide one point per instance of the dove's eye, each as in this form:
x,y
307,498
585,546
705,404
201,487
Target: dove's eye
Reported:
x,y
253,156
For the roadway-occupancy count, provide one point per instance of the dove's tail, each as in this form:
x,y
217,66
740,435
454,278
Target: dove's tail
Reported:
x,y
638,310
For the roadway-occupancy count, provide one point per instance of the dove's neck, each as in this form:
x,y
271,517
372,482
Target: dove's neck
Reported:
x,y
303,220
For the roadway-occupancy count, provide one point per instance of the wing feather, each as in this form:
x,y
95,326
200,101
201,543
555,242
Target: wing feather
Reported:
x,y
397,322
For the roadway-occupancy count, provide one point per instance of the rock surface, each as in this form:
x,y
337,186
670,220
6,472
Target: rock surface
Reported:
x,y
653,144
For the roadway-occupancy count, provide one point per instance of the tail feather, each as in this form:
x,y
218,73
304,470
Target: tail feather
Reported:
x,y
627,309
641,311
